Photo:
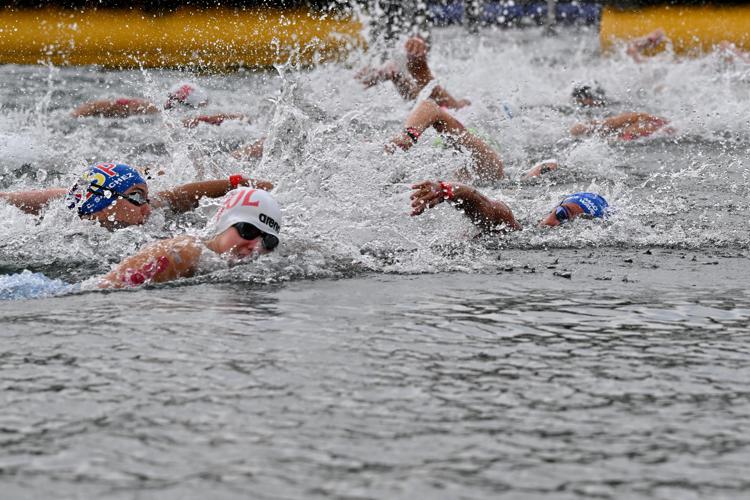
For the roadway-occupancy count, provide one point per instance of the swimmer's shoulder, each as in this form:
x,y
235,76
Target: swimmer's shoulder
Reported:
x,y
185,248
179,256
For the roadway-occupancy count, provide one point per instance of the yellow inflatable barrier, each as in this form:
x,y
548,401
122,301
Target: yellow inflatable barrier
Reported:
x,y
691,29
210,39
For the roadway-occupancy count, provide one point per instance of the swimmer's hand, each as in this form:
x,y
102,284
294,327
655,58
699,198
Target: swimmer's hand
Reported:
x,y
427,194
401,140
415,48
216,119
369,76
260,184
540,169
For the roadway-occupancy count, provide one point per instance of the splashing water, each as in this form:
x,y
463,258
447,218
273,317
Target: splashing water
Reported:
x,y
346,202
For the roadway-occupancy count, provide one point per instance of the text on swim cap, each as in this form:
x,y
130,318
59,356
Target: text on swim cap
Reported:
x,y
591,207
243,196
269,222
107,168
235,198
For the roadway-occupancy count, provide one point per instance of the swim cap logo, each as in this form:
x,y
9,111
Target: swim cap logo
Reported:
x,y
590,207
100,185
265,219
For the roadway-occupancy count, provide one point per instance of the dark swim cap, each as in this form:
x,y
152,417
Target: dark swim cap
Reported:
x,y
591,91
99,186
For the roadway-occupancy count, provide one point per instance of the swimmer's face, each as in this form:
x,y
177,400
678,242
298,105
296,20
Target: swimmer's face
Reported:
x,y
232,244
123,212
557,216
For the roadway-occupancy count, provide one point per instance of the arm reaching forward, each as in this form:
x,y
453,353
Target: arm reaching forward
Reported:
x,y
490,215
186,197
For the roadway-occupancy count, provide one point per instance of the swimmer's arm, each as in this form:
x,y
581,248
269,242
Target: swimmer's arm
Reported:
x,y
443,98
186,197
490,215
638,46
416,61
112,109
32,202
216,119
608,125
369,77
157,263
424,115
622,120
406,87
588,128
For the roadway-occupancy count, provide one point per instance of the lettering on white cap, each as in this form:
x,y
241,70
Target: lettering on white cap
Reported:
x,y
265,219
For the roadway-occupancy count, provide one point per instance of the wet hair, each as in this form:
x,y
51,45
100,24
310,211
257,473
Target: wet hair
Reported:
x,y
588,91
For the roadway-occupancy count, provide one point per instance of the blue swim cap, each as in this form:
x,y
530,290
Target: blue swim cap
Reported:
x,y
592,204
99,186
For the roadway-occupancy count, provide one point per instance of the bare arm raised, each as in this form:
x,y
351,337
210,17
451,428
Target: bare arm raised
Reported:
x,y
409,86
488,164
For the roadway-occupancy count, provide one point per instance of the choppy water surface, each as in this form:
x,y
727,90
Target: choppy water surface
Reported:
x,y
440,386
377,355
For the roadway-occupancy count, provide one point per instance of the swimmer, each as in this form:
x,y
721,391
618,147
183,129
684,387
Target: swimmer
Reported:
x,y
247,225
187,95
584,205
409,86
487,163
494,216
541,168
647,45
657,41
625,126
117,195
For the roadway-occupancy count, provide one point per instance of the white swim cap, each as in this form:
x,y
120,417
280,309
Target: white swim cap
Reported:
x,y
187,94
251,205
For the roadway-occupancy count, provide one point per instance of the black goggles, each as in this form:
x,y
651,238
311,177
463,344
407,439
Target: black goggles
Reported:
x,y
249,232
136,198
562,214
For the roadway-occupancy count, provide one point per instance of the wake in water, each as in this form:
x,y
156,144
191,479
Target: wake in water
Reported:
x,y
346,203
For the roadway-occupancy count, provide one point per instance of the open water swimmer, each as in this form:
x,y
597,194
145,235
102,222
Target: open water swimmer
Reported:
x,y
116,195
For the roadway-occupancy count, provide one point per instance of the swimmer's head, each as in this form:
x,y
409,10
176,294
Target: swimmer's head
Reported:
x,y
588,205
186,94
589,95
248,222
102,185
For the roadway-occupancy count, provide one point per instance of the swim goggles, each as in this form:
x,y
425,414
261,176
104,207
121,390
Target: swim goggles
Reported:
x,y
562,214
137,198
249,232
